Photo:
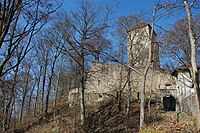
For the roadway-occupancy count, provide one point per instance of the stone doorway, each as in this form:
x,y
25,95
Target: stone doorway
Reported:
x,y
169,103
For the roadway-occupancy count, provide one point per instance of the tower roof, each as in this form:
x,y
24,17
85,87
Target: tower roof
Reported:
x,y
141,25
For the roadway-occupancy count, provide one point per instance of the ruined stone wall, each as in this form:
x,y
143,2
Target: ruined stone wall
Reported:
x,y
188,105
104,79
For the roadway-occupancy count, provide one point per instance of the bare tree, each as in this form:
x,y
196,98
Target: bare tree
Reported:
x,y
98,43
84,23
38,74
11,95
26,85
34,15
19,22
57,85
25,89
137,55
175,42
30,100
43,50
151,61
194,71
123,34
56,54
186,37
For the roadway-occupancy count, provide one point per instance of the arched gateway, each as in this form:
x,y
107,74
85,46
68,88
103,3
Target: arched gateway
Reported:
x,y
169,103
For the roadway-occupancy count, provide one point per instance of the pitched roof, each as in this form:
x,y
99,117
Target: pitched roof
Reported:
x,y
182,68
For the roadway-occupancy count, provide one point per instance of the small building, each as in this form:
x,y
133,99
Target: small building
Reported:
x,y
185,90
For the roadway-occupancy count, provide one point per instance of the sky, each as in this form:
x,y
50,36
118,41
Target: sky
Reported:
x,y
124,6
121,7
127,7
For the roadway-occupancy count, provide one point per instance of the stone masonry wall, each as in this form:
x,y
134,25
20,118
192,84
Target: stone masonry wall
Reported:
x,y
188,105
104,80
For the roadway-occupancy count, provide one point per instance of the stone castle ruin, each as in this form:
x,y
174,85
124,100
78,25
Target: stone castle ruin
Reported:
x,y
105,79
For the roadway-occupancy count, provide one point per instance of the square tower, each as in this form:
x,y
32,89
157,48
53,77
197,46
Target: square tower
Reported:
x,y
139,42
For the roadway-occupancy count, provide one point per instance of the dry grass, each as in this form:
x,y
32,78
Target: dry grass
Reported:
x,y
104,117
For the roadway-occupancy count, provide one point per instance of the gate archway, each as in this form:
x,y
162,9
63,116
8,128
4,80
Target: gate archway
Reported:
x,y
169,103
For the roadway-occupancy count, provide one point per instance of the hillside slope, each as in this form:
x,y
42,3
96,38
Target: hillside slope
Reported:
x,y
104,117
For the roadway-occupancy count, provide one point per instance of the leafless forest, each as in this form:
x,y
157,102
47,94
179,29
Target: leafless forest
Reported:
x,y
46,55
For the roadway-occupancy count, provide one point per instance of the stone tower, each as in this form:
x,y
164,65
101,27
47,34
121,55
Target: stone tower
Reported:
x,y
138,46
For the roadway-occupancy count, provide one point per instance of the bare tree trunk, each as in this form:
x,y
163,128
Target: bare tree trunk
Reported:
x,y
149,102
30,99
57,85
22,105
10,112
120,89
36,101
142,91
43,84
50,80
194,71
14,117
142,96
48,93
129,93
82,92
8,106
38,88
6,115
82,101
24,96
